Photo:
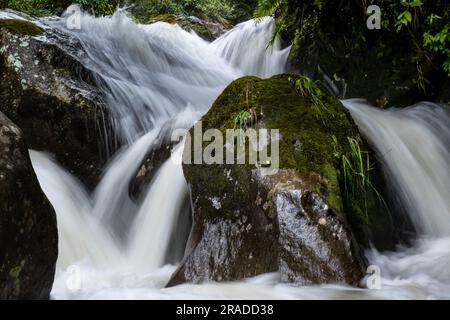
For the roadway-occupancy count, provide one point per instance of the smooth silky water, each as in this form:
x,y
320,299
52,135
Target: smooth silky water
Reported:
x,y
159,76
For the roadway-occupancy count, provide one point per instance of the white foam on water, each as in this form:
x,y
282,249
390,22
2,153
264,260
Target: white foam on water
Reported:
x,y
159,73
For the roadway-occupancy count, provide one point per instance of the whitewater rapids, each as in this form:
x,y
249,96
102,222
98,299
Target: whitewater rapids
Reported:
x,y
160,74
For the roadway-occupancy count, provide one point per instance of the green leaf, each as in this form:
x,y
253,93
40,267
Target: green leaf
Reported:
x,y
415,3
403,20
412,4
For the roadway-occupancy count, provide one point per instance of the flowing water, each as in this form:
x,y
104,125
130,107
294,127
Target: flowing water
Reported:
x,y
160,76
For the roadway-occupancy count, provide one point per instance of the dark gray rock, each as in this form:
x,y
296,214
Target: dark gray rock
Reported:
x,y
285,227
444,94
28,231
242,243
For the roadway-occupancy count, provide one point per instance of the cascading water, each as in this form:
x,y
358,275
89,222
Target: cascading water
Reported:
x,y
414,145
238,45
152,72
161,76
154,77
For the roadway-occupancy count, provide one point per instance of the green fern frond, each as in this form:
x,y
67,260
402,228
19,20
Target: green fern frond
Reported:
x,y
267,8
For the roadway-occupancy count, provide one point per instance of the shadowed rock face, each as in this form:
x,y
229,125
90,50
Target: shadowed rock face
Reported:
x,y
28,232
295,221
47,92
444,95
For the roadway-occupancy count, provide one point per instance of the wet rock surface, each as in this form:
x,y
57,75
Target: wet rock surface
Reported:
x,y
159,152
284,227
47,92
28,232
241,244
314,245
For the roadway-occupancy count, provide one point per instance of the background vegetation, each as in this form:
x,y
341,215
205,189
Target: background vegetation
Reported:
x,y
414,38
424,25
232,11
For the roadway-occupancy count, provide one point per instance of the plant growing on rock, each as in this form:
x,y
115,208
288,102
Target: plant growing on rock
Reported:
x,y
245,117
356,167
309,88
242,119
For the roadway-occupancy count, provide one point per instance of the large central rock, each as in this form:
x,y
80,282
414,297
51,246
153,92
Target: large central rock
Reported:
x,y
298,221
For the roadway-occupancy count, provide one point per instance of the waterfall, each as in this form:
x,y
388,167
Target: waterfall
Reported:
x,y
159,77
414,146
152,72
156,78
240,44
160,208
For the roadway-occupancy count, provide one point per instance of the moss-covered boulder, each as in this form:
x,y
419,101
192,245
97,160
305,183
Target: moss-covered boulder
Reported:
x,y
22,27
296,220
47,92
205,29
28,234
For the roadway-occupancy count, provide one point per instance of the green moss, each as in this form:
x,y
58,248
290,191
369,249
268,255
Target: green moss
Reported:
x,y
307,137
15,272
286,110
218,184
20,27
199,29
169,18
313,143
331,174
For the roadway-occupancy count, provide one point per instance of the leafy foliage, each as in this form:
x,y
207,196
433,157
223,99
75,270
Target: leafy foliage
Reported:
x,y
218,10
439,42
36,7
48,7
403,20
417,30
224,11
